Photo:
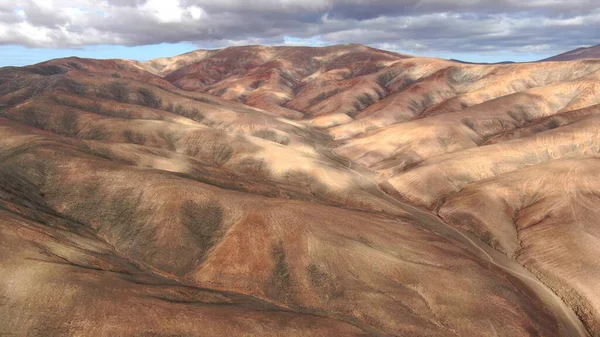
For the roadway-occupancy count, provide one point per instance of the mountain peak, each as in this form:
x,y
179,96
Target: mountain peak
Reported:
x,y
577,54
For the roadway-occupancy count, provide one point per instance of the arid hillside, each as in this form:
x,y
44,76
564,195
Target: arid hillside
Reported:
x,y
577,54
295,191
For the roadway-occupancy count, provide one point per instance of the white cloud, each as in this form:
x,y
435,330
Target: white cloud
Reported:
x,y
403,25
164,11
196,12
534,49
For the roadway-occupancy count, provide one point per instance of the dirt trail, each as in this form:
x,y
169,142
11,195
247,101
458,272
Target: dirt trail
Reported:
x,y
571,323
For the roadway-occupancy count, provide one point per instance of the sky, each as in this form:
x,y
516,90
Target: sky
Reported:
x,y
33,31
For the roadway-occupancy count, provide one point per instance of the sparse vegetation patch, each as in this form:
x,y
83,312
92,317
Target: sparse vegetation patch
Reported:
x,y
280,281
272,136
134,137
149,98
203,222
323,96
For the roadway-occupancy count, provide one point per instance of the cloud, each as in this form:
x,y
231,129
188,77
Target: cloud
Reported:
x,y
517,26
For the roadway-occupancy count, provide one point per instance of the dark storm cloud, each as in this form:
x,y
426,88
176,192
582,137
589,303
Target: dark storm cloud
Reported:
x,y
363,10
408,25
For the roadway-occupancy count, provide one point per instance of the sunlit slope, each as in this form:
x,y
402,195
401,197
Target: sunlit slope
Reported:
x,y
296,191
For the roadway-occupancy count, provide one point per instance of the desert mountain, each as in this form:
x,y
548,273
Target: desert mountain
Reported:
x,y
335,191
577,54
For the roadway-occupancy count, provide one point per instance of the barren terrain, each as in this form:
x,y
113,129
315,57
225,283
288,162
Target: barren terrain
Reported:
x,y
295,191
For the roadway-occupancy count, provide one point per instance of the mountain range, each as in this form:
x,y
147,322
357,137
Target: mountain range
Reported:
x,y
299,191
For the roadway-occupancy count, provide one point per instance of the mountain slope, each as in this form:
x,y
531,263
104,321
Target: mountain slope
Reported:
x,y
351,192
592,52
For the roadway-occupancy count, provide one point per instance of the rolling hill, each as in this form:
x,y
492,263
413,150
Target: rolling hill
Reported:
x,y
592,52
299,191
